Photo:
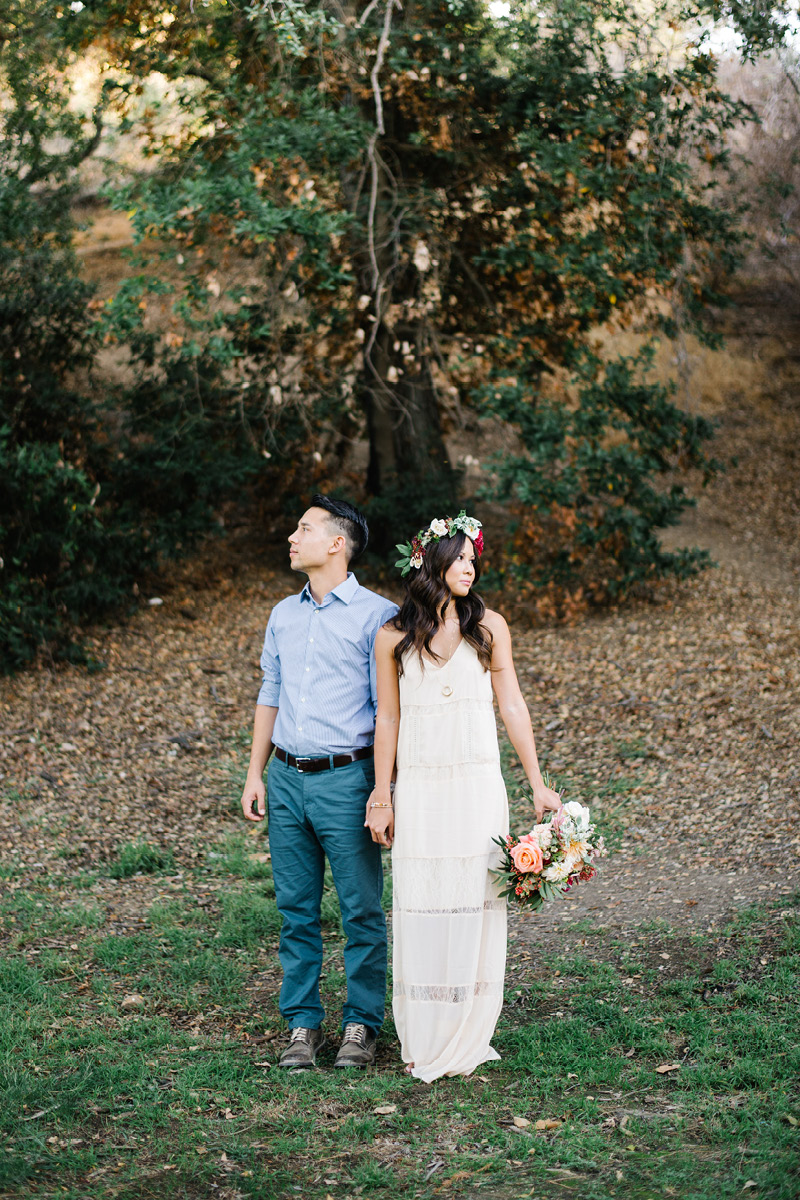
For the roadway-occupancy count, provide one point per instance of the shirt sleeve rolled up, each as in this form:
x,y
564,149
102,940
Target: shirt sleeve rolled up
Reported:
x,y
270,690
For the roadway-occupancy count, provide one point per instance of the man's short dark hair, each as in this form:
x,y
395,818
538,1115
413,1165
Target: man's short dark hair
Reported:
x,y
347,518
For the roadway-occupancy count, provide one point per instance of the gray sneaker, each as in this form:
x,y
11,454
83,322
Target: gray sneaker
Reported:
x,y
304,1046
357,1048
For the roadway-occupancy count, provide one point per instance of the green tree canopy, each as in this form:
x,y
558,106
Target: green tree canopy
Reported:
x,y
375,218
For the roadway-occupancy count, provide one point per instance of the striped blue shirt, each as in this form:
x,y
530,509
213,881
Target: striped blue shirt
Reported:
x,y
319,669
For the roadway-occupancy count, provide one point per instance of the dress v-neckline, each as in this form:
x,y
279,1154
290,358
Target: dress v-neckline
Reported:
x,y
439,666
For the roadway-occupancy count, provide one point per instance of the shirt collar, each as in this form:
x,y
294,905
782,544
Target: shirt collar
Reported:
x,y
343,591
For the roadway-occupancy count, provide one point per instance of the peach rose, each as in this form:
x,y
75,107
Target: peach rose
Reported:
x,y
527,857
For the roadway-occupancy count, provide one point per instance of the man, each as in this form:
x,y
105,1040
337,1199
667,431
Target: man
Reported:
x,y
316,709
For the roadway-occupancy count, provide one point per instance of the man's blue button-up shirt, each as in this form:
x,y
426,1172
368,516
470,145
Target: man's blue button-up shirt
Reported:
x,y
319,669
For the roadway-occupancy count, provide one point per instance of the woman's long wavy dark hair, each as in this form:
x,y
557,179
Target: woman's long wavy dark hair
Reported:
x,y
427,597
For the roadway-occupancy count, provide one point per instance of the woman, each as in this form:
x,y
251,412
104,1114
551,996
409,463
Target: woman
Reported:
x,y
437,663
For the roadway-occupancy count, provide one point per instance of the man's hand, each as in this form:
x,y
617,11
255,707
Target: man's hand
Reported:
x,y
254,799
380,818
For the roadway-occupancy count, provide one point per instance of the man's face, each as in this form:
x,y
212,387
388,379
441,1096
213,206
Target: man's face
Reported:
x,y
312,541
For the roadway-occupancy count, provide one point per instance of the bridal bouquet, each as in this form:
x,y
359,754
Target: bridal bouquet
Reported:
x,y
546,863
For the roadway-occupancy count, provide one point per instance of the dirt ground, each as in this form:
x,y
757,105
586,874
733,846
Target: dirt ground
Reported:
x,y
676,717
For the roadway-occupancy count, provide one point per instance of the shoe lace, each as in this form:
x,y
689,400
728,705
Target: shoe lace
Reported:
x,y
355,1033
299,1034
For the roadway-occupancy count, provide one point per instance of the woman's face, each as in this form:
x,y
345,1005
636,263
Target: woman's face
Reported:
x,y
460,575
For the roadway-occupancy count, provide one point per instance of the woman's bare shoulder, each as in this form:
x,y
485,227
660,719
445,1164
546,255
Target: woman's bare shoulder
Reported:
x,y
387,637
495,622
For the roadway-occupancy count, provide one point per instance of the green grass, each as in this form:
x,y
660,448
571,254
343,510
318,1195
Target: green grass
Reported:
x,y
130,1065
141,858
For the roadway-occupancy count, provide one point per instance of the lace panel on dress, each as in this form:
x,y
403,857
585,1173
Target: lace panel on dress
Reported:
x,y
442,993
487,906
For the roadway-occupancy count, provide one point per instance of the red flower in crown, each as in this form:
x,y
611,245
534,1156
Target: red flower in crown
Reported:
x,y
478,543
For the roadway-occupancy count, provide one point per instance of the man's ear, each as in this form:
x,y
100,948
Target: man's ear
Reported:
x,y
338,545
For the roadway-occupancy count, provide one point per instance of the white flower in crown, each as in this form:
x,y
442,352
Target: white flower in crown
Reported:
x,y
412,553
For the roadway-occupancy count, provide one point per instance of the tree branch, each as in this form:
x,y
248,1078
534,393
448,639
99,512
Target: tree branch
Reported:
x,y
379,131
72,158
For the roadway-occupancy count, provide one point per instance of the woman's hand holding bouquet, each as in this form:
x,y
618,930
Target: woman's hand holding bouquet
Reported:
x,y
545,799
559,852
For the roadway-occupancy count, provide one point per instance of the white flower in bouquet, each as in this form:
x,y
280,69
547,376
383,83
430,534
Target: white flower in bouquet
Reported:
x,y
566,828
581,849
543,835
573,858
556,872
579,815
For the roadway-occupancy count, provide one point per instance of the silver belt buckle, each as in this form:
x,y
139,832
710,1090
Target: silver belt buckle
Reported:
x,y
300,762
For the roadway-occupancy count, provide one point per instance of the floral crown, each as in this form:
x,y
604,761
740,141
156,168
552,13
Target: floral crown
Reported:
x,y
413,552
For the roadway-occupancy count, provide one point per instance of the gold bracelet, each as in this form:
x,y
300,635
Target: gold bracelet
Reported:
x,y
376,805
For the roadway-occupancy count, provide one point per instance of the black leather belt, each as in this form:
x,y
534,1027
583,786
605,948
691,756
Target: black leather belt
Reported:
x,y
327,763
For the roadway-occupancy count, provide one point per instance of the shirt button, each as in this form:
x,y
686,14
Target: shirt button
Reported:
x,y
311,639
302,699
299,728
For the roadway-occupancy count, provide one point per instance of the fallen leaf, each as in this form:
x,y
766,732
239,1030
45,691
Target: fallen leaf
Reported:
x,y
522,1122
750,1183
665,1068
133,1000
792,1120
550,1123
383,1110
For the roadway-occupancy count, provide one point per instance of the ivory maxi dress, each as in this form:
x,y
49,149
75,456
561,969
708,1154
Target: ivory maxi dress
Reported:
x,y
449,925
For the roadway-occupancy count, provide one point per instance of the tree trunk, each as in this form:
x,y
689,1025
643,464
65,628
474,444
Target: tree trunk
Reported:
x,y
406,446
407,454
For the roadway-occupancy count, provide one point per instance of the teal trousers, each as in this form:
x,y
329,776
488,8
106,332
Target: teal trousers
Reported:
x,y
311,817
